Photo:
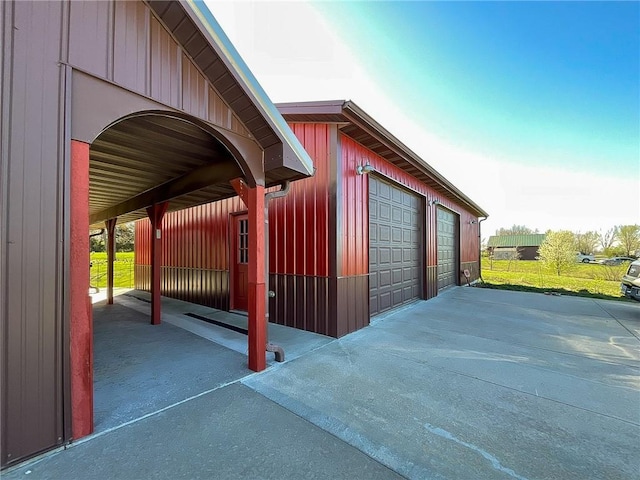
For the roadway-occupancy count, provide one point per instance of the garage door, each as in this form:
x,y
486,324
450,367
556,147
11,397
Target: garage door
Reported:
x,y
395,233
447,258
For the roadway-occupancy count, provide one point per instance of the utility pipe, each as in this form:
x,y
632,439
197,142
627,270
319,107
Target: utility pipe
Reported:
x,y
284,190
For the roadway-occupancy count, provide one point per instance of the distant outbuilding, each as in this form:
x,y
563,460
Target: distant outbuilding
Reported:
x,y
503,247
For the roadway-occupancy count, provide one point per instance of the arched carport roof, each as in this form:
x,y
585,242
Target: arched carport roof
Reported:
x,y
149,157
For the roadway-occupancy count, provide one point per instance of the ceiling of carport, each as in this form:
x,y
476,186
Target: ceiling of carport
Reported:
x,y
141,156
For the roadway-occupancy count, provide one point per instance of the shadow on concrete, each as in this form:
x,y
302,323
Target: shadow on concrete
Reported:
x,y
141,368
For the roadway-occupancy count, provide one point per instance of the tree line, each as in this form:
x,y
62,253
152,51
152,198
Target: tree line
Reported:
x,y
124,238
620,240
558,250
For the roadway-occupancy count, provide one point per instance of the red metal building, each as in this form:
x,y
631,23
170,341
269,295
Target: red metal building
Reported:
x,y
376,227
114,111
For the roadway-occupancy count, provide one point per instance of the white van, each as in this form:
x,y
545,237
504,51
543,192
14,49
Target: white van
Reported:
x,y
630,286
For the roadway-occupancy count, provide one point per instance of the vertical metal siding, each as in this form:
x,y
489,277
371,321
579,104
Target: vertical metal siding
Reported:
x,y
165,66
125,43
131,46
299,222
90,37
196,246
355,236
32,389
194,96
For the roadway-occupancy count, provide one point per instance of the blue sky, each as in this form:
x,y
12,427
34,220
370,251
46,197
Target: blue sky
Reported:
x,y
543,82
532,109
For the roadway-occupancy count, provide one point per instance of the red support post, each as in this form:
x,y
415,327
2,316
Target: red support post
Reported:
x,y
80,310
257,293
156,214
111,254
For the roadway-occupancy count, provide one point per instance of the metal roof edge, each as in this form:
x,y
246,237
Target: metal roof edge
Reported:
x,y
319,107
356,114
228,54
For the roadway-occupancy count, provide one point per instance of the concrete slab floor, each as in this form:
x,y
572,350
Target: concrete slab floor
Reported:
x,y
141,368
473,384
480,384
294,342
231,433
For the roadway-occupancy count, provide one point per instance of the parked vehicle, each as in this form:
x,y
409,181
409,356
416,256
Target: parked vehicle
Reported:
x,y
582,258
630,286
616,260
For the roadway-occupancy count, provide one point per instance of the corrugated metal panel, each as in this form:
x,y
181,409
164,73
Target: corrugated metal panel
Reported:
x,y
165,66
532,240
131,46
195,245
31,323
355,229
299,222
197,239
195,89
124,42
355,237
91,37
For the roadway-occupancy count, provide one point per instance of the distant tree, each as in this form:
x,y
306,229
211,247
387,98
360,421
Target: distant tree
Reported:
x,y
97,240
629,238
587,242
608,238
125,237
516,230
558,250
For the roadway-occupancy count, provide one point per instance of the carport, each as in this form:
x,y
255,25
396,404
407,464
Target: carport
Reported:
x,y
140,371
115,111
132,157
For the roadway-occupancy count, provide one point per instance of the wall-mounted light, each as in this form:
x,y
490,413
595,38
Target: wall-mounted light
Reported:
x,y
472,222
434,201
362,169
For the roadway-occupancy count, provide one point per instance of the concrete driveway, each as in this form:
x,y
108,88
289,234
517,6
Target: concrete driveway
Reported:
x,y
481,383
474,384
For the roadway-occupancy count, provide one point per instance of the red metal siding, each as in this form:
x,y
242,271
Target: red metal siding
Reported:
x,y
355,235
196,245
299,222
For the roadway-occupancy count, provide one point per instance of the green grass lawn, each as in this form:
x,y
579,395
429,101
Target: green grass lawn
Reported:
x,y
590,280
123,270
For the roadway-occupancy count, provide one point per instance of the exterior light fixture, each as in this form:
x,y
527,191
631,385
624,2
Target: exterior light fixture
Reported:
x,y
471,222
362,169
434,201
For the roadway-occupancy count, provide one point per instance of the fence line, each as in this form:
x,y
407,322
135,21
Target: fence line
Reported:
x,y
123,273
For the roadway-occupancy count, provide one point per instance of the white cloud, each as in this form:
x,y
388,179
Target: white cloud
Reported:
x,y
297,56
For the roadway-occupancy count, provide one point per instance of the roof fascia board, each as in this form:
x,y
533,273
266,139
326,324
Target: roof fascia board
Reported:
x,y
365,121
331,107
209,27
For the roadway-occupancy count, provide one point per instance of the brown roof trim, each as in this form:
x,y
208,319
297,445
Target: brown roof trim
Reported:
x,y
203,39
387,145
